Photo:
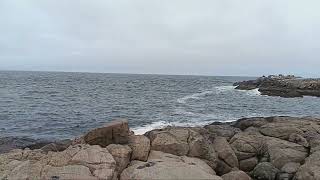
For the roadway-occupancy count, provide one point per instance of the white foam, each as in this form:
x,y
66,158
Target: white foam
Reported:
x,y
163,124
184,100
254,92
146,128
221,89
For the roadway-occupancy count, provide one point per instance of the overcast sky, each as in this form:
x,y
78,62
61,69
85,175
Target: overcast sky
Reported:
x,y
210,37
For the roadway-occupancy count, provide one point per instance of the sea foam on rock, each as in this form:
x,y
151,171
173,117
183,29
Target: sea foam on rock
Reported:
x,y
273,148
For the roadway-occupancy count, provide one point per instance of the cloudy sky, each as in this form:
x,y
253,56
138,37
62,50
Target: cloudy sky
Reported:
x,y
210,37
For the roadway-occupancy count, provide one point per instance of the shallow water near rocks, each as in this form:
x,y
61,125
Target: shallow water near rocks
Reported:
x,y
56,105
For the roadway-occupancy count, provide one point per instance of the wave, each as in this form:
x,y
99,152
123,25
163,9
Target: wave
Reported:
x,y
221,89
254,92
184,100
162,124
199,122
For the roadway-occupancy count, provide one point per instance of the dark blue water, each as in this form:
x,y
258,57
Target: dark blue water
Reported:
x,y
64,105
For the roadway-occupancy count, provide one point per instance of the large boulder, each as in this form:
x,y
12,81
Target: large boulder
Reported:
x,y
200,146
121,154
167,166
226,155
115,132
310,170
184,141
282,152
170,140
279,130
265,171
248,165
236,175
246,145
140,146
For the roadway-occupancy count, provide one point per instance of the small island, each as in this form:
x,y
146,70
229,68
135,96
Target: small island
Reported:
x,y
284,86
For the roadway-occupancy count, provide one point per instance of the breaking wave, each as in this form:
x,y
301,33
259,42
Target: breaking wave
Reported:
x,y
184,99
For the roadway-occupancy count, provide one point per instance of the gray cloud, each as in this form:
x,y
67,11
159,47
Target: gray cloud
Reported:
x,y
230,37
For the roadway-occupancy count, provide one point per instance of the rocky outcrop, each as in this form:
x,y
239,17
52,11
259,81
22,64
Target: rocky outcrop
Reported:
x,y
227,158
184,142
272,148
121,154
166,166
310,170
222,130
76,162
283,86
9,143
140,146
115,132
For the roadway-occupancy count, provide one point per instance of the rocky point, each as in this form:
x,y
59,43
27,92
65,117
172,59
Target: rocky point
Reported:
x,y
283,86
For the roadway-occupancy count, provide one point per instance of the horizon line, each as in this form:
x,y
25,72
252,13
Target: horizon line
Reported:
x,y
127,73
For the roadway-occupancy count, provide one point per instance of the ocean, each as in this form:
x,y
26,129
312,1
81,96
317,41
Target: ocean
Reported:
x,y
59,105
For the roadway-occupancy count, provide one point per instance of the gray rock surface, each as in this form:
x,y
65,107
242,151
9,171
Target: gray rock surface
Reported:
x,y
166,166
115,132
121,154
236,175
265,171
140,146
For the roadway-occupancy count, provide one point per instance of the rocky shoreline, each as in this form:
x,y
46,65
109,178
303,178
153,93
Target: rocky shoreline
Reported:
x,y
283,86
272,148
